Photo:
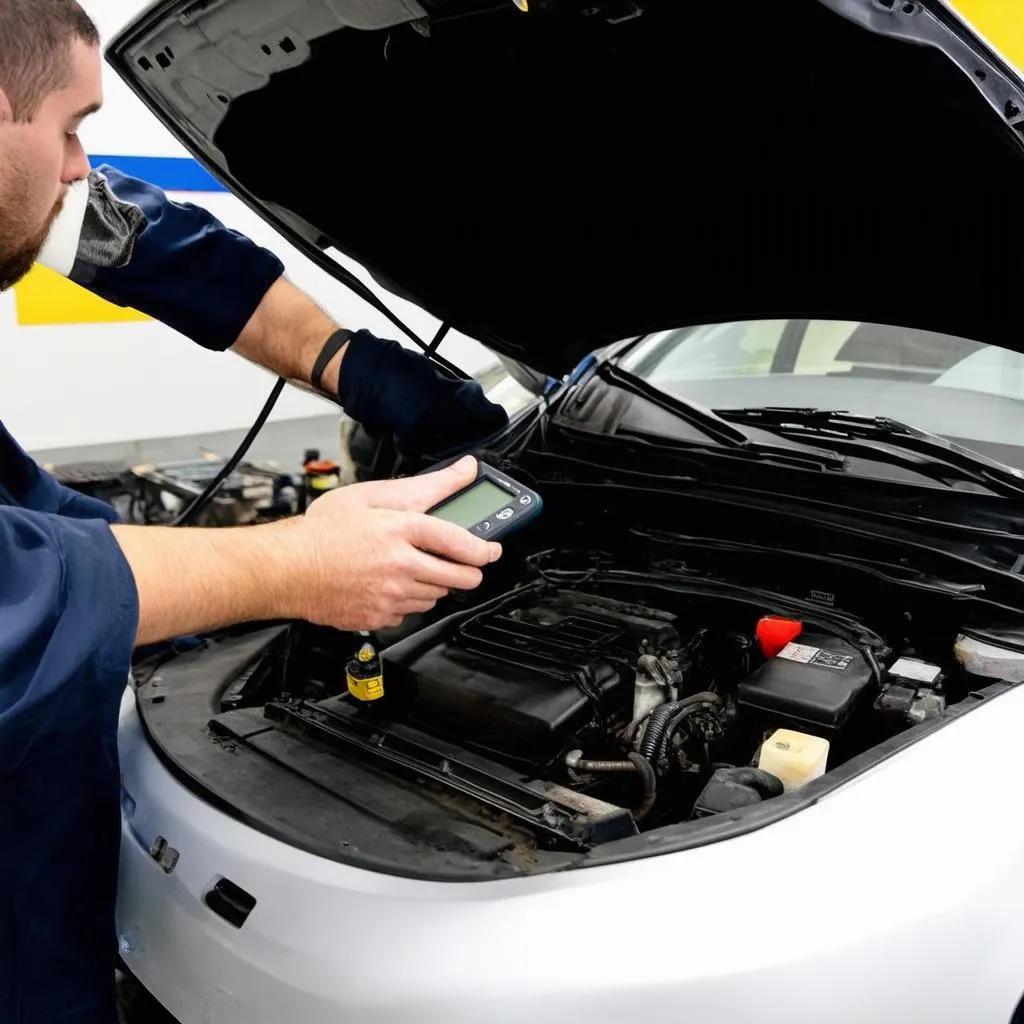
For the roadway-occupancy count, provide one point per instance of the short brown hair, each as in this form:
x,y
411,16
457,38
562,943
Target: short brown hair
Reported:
x,y
35,40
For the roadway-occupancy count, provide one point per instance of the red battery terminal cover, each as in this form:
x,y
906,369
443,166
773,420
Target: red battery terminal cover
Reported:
x,y
774,632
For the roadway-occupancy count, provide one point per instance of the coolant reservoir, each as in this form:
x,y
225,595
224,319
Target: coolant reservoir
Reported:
x,y
795,758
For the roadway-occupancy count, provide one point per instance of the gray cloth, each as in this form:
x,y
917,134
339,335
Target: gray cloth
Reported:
x,y
109,229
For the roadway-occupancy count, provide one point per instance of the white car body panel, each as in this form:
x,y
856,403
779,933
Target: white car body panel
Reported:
x,y
898,898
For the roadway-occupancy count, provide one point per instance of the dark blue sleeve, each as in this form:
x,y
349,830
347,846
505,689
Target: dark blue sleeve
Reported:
x,y
69,608
26,483
186,270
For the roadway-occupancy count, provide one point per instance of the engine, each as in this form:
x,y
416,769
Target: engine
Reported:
x,y
537,671
668,703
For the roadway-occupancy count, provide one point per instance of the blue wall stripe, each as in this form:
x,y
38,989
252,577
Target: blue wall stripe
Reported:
x,y
171,173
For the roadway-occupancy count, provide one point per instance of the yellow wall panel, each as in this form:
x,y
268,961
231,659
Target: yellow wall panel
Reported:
x,y
44,298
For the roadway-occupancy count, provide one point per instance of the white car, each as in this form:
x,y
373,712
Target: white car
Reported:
x,y
732,732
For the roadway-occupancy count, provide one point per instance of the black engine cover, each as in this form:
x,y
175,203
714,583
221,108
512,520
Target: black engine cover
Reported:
x,y
521,677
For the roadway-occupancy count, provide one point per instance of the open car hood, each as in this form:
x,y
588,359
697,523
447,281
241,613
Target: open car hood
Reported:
x,y
551,176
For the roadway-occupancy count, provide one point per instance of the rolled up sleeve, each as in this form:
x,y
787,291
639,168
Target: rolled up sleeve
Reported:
x,y
69,610
175,262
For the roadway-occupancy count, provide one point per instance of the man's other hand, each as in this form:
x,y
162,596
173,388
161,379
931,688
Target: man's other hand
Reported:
x,y
395,392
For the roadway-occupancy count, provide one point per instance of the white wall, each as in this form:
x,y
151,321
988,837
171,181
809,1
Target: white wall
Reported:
x,y
87,384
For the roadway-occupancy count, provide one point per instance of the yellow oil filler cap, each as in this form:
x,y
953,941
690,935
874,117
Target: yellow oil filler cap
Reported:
x,y
795,758
365,674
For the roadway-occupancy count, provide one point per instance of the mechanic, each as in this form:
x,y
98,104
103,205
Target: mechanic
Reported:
x,y
80,590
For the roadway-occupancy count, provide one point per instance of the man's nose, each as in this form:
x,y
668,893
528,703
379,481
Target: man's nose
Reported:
x,y
76,163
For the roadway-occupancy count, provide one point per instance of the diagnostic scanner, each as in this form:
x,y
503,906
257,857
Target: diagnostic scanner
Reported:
x,y
492,506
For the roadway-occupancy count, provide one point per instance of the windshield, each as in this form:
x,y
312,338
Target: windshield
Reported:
x,y
948,385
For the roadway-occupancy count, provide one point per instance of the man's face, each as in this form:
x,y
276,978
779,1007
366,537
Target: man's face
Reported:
x,y
39,159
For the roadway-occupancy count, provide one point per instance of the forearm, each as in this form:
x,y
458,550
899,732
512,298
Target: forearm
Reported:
x,y
194,580
287,333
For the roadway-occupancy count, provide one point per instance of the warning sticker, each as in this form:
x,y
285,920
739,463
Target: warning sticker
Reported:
x,y
815,656
799,652
829,659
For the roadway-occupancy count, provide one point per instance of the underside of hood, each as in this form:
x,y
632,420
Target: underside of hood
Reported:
x,y
555,178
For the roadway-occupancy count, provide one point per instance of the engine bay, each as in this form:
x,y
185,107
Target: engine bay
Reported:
x,y
615,678
589,705
635,694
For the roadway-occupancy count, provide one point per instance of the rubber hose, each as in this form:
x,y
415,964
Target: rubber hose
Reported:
x,y
636,763
650,782
675,722
769,785
656,722
659,718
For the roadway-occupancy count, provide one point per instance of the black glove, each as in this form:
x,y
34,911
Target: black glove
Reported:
x,y
394,392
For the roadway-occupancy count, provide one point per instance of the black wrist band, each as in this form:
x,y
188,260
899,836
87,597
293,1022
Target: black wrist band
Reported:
x,y
331,348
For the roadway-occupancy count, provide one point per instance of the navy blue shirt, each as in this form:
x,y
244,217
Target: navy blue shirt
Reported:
x,y
68,619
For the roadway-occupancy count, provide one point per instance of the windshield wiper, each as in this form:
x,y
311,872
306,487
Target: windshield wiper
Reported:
x,y
714,426
703,419
887,440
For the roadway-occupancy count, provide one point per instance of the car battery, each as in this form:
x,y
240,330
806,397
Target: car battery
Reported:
x,y
813,685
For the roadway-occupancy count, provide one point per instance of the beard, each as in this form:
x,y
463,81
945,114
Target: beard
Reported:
x,y
20,241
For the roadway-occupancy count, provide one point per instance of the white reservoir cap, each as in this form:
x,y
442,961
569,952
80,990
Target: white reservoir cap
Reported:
x,y
795,758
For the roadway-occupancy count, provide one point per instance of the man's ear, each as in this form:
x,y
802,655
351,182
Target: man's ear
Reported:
x,y
6,111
